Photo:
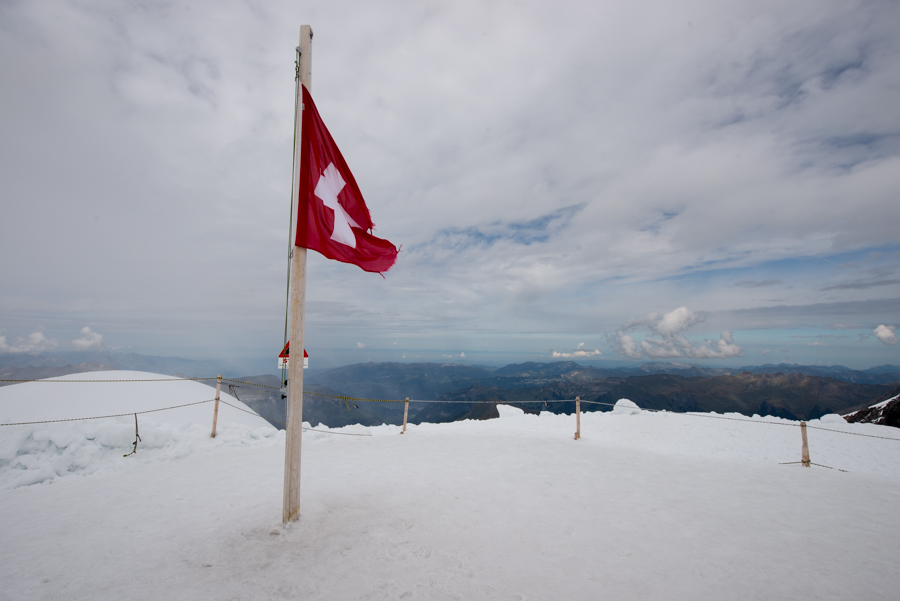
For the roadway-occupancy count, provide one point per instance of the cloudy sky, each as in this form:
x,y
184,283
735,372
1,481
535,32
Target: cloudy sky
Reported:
x,y
703,181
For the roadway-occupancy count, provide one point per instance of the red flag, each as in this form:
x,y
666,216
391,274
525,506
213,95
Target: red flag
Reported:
x,y
332,216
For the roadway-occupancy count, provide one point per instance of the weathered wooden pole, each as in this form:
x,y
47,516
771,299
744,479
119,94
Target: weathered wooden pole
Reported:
x,y
405,414
216,409
578,418
804,453
294,429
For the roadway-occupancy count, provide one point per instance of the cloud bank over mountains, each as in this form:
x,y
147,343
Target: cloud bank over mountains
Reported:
x,y
666,342
35,342
580,352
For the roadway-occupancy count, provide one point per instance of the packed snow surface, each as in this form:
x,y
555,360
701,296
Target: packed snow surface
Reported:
x,y
644,506
39,452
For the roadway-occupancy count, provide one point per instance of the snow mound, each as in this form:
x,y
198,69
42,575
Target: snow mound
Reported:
x,y
509,411
50,399
626,407
42,452
832,418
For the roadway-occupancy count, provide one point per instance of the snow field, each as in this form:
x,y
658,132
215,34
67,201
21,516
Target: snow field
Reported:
x,y
36,453
644,506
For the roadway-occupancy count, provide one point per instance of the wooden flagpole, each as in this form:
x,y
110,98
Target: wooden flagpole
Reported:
x,y
294,429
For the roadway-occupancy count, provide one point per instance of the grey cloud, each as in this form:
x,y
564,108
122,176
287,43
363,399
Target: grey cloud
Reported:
x,y
518,232
829,315
757,283
861,285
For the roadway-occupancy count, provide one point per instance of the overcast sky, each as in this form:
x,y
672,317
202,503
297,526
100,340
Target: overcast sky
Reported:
x,y
703,181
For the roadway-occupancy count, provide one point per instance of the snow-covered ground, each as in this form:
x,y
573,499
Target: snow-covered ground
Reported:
x,y
644,506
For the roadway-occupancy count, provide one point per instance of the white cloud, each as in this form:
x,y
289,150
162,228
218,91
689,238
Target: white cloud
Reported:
x,y
463,354
627,346
886,334
35,343
665,340
89,340
767,351
579,352
361,346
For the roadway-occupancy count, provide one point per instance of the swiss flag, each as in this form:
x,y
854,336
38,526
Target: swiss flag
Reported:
x,y
332,217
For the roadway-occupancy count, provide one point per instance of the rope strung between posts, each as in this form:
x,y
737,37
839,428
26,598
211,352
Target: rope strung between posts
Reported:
x,y
463,402
284,424
751,421
136,413
252,384
353,398
79,419
104,381
547,401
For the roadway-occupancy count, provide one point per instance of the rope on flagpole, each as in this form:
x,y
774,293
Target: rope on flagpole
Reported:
x,y
287,296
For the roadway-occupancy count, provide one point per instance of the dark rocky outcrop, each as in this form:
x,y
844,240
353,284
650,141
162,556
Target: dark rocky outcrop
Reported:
x,y
887,415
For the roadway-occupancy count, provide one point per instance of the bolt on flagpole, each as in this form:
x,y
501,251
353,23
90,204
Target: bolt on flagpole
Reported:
x,y
294,429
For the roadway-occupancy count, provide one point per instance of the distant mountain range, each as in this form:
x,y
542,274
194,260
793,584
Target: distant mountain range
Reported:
x,y
883,374
791,396
786,390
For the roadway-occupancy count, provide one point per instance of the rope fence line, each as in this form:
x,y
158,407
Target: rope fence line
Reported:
x,y
250,383
105,381
547,401
78,419
353,398
805,460
366,400
284,424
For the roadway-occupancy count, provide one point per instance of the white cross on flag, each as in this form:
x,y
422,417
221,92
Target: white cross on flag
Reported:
x,y
332,217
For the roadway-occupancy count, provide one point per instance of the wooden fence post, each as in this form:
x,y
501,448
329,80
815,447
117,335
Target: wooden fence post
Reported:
x,y
405,414
216,410
577,418
804,456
